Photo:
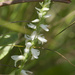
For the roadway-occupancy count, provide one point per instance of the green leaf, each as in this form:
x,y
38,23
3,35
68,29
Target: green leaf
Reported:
x,y
14,27
70,17
6,43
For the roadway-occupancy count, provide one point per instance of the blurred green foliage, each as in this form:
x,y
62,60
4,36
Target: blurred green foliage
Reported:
x,y
49,63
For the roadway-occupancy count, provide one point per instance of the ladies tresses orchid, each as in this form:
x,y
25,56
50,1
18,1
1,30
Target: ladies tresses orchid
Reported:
x,y
31,40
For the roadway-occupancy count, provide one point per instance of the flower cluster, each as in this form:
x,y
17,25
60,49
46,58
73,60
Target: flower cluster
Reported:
x,y
35,37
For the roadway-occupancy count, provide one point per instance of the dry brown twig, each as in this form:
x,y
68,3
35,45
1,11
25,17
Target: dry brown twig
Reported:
x,y
10,2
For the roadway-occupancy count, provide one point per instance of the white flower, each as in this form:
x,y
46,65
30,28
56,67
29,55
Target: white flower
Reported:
x,y
42,39
36,20
35,53
28,44
7,36
48,3
41,3
17,58
33,35
44,27
27,37
31,26
40,14
44,13
39,37
37,9
26,50
24,72
45,9
47,16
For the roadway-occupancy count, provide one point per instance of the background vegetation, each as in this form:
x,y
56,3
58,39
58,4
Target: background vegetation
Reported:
x,y
49,63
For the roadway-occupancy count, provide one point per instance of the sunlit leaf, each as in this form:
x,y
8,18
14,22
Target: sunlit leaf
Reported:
x,y
14,27
6,43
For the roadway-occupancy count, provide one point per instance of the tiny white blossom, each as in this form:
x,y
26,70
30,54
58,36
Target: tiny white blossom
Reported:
x,y
31,26
41,3
36,20
42,39
26,50
47,16
43,13
47,4
45,9
40,14
17,58
27,37
44,27
7,36
33,35
35,53
24,72
39,37
28,44
37,9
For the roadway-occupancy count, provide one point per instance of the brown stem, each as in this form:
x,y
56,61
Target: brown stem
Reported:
x,y
63,1
7,2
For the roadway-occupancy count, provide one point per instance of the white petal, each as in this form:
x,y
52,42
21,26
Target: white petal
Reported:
x,y
36,20
26,50
44,13
46,4
44,27
42,39
27,37
45,9
47,16
41,3
31,26
29,72
35,53
7,36
33,35
37,9
17,58
40,14
23,72
28,44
